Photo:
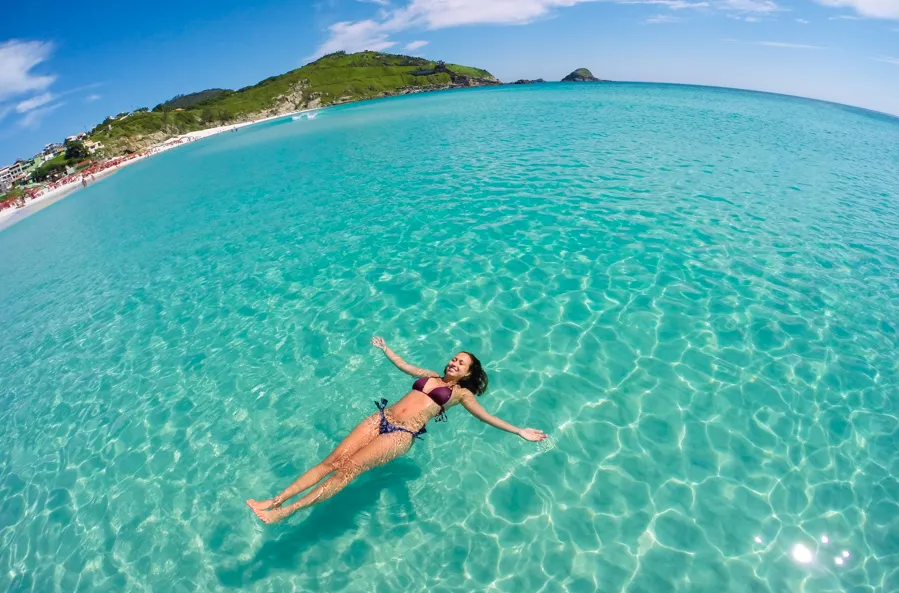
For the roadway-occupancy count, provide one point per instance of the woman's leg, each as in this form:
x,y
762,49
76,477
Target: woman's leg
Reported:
x,y
360,436
382,449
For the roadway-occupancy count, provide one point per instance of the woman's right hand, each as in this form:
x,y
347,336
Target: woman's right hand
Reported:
x,y
378,342
532,434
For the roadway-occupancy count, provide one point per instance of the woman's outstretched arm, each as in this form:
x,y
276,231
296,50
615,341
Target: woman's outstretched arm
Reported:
x,y
470,403
399,362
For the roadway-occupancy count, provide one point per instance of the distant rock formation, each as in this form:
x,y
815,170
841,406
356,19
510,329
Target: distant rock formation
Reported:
x,y
582,75
525,81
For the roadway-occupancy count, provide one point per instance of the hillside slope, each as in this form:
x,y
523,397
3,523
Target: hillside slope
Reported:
x,y
192,99
330,80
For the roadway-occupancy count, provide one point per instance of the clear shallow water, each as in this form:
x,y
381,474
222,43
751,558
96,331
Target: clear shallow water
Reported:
x,y
694,290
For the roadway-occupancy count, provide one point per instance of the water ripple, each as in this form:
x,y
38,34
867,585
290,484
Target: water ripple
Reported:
x,y
693,290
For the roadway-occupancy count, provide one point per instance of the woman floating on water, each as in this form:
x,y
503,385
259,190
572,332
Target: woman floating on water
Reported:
x,y
389,432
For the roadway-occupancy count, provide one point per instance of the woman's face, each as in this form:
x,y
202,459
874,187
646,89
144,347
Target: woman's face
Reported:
x,y
458,367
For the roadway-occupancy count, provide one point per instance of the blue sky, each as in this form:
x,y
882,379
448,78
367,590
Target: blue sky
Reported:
x,y
64,68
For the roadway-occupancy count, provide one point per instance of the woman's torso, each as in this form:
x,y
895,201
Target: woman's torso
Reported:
x,y
414,409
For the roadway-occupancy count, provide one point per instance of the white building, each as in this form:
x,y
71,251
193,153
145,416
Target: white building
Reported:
x,y
92,146
5,179
51,150
13,173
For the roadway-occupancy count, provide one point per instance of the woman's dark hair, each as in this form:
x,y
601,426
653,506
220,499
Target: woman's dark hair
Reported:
x,y
476,380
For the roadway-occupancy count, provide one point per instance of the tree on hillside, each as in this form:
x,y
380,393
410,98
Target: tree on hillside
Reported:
x,y
49,171
75,151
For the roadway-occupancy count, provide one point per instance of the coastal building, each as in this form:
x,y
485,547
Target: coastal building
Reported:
x,y
92,146
16,172
5,179
6,175
26,168
52,149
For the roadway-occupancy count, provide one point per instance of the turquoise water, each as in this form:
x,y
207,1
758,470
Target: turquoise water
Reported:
x,y
695,291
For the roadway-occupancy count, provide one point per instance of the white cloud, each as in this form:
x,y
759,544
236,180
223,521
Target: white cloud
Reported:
x,y
883,9
802,21
433,14
91,98
17,59
677,4
34,102
670,4
352,37
788,45
662,19
751,18
374,33
33,118
887,59
378,2
781,44
439,14
845,17
761,6
412,46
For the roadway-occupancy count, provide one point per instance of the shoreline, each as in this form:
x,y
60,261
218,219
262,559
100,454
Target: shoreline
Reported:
x,y
45,197
11,215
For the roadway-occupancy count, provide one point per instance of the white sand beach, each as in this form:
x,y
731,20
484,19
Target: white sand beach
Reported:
x,y
49,195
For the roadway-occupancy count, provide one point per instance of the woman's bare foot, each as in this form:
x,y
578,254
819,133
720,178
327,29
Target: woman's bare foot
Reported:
x,y
269,517
260,505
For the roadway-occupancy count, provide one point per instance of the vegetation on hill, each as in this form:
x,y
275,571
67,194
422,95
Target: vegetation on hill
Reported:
x,y
55,167
76,151
581,75
192,99
335,78
75,154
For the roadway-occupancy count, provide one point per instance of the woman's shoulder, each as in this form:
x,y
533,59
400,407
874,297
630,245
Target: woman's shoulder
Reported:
x,y
463,392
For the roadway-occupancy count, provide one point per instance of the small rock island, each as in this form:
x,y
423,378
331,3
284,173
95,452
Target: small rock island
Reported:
x,y
582,75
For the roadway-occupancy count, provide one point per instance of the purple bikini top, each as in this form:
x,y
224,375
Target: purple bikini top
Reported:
x,y
439,395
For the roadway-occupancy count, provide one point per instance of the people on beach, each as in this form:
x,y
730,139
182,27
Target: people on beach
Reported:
x,y
95,168
390,432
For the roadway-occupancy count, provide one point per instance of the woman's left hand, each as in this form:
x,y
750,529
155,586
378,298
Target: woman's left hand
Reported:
x,y
532,434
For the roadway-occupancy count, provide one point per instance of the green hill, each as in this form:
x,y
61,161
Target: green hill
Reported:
x,y
192,99
332,79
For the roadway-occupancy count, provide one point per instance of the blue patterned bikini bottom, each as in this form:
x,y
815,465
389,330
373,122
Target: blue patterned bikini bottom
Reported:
x,y
386,427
